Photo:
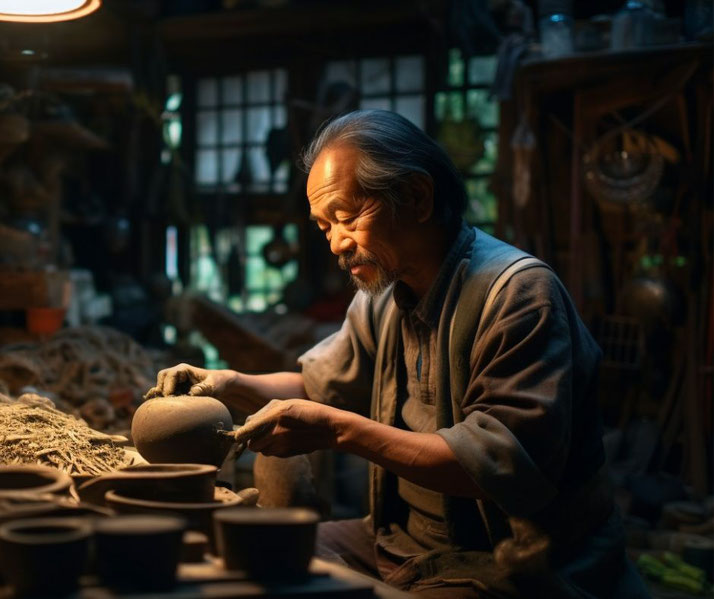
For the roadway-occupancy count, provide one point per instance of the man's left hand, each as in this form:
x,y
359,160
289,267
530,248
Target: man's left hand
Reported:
x,y
291,427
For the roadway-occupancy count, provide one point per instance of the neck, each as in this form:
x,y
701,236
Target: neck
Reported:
x,y
428,254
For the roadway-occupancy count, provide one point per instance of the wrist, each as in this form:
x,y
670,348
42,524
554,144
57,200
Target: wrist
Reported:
x,y
345,425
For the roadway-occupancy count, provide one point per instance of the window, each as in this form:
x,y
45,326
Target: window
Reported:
x,y
235,118
467,122
264,284
390,83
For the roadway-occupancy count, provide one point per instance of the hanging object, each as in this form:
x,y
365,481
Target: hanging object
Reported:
x,y
626,176
46,11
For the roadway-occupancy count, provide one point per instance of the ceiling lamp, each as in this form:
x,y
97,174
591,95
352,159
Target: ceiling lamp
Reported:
x,y
46,11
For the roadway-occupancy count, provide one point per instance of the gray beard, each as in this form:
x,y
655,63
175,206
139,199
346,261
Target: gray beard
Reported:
x,y
376,286
379,284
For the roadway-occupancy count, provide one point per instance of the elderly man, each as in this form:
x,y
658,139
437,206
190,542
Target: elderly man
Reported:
x,y
462,372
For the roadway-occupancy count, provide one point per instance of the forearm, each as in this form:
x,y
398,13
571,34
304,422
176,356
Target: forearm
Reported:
x,y
423,458
248,393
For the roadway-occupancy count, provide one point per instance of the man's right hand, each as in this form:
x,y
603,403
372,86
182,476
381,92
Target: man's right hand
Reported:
x,y
190,380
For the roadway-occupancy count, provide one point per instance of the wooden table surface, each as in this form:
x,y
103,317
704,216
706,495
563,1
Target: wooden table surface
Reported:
x,y
209,580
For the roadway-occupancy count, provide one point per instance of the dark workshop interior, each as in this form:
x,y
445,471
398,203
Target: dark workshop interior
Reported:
x,y
154,213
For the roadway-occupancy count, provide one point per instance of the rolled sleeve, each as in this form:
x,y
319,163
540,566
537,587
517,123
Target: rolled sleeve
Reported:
x,y
515,436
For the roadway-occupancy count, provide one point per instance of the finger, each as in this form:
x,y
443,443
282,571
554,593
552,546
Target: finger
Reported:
x,y
252,430
173,378
160,382
153,392
202,388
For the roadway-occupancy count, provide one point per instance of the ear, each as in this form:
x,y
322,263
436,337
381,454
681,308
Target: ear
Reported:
x,y
422,192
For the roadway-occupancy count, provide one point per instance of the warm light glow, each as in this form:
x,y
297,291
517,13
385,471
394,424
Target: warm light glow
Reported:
x,y
45,11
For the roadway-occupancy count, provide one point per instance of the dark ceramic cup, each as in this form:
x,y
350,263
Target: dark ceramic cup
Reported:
x,y
44,557
138,553
267,543
32,479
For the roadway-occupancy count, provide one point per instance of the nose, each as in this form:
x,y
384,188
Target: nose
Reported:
x,y
339,242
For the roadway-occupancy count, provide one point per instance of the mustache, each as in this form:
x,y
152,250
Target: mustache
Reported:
x,y
347,261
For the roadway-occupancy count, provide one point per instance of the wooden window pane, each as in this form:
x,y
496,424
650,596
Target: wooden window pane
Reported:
x,y
455,76
230,165
342,70
412,108
375,76
232,129
259,168
482,108
258,124
207,128
232,90
207,167
258,83
207,92
482,70
280,81
376,103
409,73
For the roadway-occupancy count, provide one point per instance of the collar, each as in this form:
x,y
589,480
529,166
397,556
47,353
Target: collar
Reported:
x,y
429,307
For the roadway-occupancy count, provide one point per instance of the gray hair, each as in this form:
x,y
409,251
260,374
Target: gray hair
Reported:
x,y
392,149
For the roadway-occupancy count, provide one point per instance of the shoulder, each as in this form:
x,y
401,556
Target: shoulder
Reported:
x,y
532,290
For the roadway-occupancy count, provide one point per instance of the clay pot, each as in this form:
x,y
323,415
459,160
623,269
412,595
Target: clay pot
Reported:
x,y
138,553
267,543
44,556
158,482
182,429
197,514
26,479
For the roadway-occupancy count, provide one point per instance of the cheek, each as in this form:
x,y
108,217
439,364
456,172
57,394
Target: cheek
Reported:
x,y
380,248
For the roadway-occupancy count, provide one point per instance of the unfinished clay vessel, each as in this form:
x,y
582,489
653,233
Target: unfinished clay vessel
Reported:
x,y
138,553
183,429
267,543
44,557
162,482
27,479
197,514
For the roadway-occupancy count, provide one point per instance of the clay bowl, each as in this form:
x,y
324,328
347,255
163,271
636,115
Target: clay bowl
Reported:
x,y
156,482
267,543
44,557
182,429
26,479
138,553
198,515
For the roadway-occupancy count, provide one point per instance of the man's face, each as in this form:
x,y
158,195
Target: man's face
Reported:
x,y
360,231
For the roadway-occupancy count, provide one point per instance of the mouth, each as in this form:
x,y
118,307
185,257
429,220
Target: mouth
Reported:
x,y
357,269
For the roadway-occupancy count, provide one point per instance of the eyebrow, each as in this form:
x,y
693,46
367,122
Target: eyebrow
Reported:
x,y
332,206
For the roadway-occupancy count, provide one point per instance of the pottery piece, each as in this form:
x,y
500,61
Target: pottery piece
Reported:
x,y
157,482
182,428
44,557
197,514
267,543
138,553
27,479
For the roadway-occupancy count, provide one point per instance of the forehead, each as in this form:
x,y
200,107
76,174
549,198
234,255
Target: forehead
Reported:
x,y
331,183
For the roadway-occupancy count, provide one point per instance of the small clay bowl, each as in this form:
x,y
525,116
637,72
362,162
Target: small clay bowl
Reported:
x,y
197,514
155,482
44,557
18,479
138,553
267,543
